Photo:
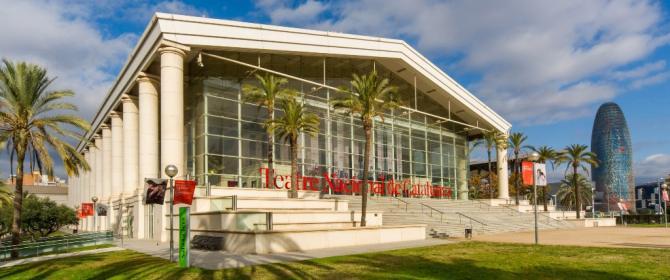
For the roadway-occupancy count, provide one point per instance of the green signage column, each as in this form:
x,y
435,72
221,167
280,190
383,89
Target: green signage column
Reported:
x,y
184,236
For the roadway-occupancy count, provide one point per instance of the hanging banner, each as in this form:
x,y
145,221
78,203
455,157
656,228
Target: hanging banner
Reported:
x,y
102,210
527,171
183,191
184,236
87,209
154,191
620,207
541,174
79,214
665,195
625,208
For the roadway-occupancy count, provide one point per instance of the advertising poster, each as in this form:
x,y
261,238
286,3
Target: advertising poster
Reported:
x,y
87,209
183,191
102,210
527,171
665,195
541,174
184,234
79,214
154,191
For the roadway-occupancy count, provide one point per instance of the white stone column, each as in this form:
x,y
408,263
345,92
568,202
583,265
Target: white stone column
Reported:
x,y
97,182
172,109
172,120
106,163
148,128
117,157
71,186
130,145
86,182
501,162
148,142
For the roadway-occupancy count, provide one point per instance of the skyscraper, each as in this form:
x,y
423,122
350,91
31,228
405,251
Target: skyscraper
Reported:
x,y
610,141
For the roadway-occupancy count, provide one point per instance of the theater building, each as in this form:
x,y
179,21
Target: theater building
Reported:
x,y
178,101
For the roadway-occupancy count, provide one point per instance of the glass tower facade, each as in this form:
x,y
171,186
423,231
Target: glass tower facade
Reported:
x,y
610,141
227,144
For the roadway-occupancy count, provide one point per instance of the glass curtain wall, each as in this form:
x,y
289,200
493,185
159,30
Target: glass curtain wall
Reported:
x,y
227,144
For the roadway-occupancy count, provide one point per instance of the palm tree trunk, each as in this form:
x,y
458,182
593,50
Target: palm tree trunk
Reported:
x,y
18,202
578,208
516,179
367,126
490,182
544,198
294,167
271,146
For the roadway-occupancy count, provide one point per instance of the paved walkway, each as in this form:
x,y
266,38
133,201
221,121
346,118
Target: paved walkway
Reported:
x,y
222,259
58,256
622,237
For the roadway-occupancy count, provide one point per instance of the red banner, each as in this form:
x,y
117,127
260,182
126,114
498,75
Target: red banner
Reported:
x,y
527,169
183,191
87,209
665,195
79,215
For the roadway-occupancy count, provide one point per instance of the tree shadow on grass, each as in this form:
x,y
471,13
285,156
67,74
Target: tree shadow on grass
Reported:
x,y
46,268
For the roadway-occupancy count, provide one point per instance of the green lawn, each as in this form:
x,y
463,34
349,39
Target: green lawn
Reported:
x,y
473,260
646,225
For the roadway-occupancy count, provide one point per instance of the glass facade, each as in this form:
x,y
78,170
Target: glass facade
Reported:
x,y
227,144
610,141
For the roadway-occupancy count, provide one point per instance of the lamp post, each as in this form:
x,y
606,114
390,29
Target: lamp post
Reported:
x,y
533,157
621,210
171,171
593,203
665,213
95,216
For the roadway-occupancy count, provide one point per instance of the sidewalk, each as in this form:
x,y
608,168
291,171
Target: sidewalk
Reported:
x,y
58,256
223,259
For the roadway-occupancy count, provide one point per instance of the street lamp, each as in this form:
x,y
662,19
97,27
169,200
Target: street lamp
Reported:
x,y
171,171
95,211
593,203
621,210
665,188
533,157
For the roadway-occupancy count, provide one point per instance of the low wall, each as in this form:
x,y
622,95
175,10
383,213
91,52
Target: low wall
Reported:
x,y
589,222
278,241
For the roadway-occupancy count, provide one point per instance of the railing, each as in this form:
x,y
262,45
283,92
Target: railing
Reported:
x,y
431,210
400,200
550,219
57,243
460,221
223,203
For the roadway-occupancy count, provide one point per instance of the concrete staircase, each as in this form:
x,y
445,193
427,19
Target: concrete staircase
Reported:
x,y
450,218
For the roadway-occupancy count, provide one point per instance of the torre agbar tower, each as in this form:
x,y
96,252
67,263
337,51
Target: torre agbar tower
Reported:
x,y
178,101
610,141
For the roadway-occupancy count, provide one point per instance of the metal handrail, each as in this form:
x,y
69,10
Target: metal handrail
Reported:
x,y
67,241
431,210
471,219
400,200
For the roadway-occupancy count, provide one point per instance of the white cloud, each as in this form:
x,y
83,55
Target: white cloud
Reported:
x,y
641,71
523,50
283,12
655,79
653,166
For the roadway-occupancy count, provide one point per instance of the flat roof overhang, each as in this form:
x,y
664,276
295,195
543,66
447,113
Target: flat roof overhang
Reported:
x,y
196,33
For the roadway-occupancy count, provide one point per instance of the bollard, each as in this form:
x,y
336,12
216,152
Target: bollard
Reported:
x,y
468,233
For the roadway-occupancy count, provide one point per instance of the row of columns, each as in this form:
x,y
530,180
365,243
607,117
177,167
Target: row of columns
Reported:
x,y
126,145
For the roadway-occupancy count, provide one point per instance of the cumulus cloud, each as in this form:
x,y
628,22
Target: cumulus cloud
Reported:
x,y
655,79
285,12
66,38
652,167
524,52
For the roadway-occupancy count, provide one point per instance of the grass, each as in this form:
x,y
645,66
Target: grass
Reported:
x,y
465,260
71,250
645,225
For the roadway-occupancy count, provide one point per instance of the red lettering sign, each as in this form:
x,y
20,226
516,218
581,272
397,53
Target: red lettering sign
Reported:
x,y
527,168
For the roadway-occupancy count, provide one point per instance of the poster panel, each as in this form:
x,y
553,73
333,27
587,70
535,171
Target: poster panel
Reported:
x,y
102,209
184,234
80,215
183,191
665,195
154,190
541,174
87,209
527,171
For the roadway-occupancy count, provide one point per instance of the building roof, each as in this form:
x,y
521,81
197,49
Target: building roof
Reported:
x,y
195,33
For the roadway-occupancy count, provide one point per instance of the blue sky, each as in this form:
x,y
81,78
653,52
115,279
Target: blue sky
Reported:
x,y
545,66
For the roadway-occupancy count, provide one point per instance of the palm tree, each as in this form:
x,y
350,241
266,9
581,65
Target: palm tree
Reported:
x,y
490,139
576,156
566,192
547,154
268,94
516,143
367,98
295,121
29,127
